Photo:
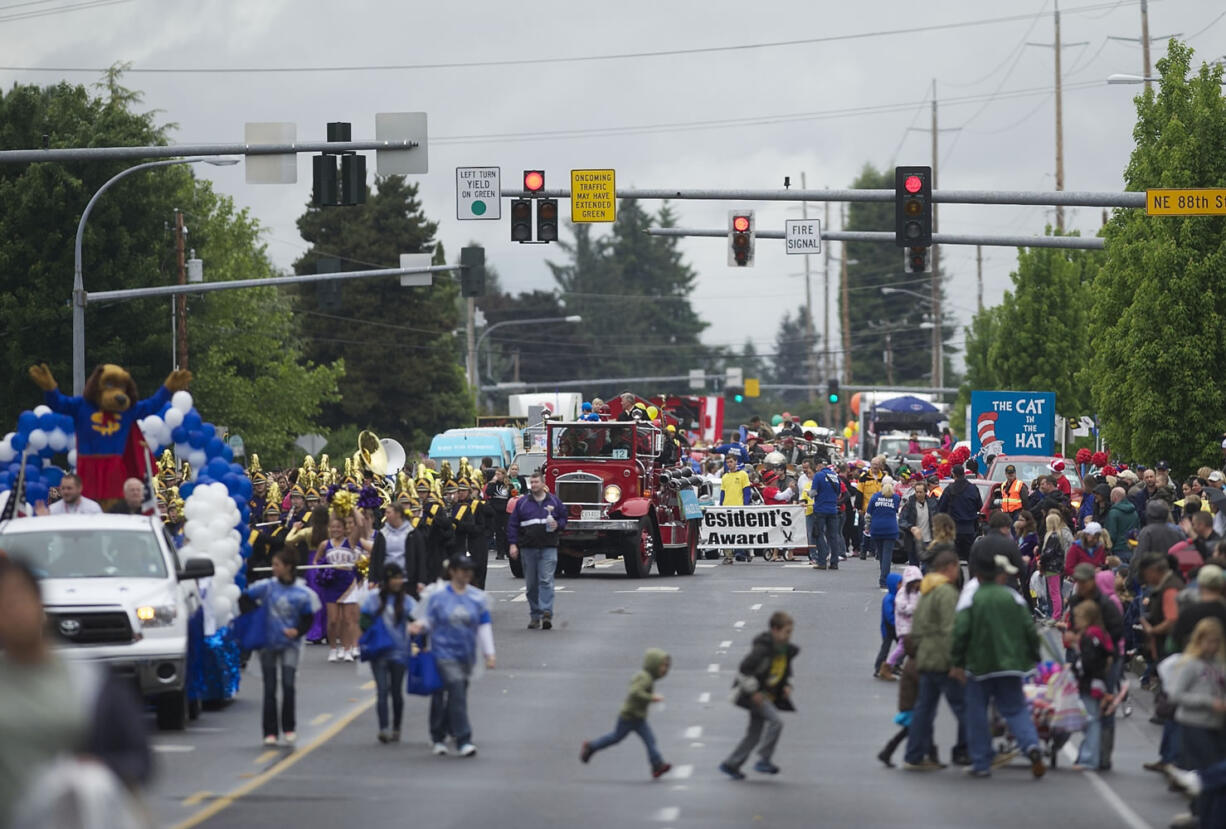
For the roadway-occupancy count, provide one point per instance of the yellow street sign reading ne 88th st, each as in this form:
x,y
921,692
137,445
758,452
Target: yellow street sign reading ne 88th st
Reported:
x,y
1206,201
593,196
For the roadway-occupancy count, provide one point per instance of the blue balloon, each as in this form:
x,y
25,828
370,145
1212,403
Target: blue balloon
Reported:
x,y
210,431
36,491
244,487
231,482
227,453
179,434
67,425
162,411
46,452
217,469
27,422
213,448
240,578
195,439
19,441
244,513
34,472
46,422
6,479
185,489
53,475
237,469
14,469
192,420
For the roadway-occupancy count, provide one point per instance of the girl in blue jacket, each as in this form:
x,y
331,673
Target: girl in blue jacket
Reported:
x,y
393,608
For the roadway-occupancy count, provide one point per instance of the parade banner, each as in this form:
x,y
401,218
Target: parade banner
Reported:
x,y
1012,423
753,527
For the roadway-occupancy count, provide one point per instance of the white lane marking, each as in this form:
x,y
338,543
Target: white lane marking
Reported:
x,y
698,745
713,668
706,566
682,772
757,591
496,566
704,697
668,813
739,624
657,588
771,590
692,733
797,566
167,748
727,643
522,597
756,606
1130,818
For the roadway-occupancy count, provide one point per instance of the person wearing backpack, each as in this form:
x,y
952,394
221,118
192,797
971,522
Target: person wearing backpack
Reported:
x,y
1056,541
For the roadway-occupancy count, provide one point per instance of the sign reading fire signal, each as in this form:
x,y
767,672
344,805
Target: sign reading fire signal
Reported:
x,y
741,236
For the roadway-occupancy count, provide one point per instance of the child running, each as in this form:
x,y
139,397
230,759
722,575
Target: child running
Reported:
x,y
762,688
633,713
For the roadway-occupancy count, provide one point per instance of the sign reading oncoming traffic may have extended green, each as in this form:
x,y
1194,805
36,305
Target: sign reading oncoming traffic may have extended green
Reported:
x,y
478,193
593,196
1190,201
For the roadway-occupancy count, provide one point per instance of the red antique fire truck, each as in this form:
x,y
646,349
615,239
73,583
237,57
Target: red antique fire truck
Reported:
x,y
621,499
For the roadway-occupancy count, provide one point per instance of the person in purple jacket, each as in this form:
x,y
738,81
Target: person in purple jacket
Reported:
x,y
534,525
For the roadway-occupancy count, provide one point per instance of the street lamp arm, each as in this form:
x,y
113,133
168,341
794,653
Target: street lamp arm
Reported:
x,y
916,294
535,321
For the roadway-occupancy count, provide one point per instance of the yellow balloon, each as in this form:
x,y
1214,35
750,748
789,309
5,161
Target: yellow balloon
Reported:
x,y
810,424
847,431
653,412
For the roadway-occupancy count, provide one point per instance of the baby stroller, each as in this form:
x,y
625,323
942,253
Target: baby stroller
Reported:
x,y
1052,698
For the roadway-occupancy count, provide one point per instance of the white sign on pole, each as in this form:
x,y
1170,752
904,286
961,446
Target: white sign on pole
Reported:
x,y
415,280
478,193
271,169
698,378
802,236
401,126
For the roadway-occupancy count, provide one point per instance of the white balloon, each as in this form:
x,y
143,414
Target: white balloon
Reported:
x,y
231,592
173,418
58,440
42,410
182,450
72,458
222,574
221,606
182,401
7,453
197,459
38,440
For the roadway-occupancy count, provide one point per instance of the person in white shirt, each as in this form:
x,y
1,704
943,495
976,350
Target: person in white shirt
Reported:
x,y
72,502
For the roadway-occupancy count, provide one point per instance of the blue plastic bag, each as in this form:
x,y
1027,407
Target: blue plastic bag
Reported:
x,y
251,629
422,676
376,642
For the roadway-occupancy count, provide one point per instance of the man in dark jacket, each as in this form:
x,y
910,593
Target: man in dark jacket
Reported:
x,y
1158,535
535,523
498,495
763,688
1121,519
828,540
915,521
962,502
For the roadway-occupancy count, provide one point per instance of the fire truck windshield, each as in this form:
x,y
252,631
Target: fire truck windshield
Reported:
x,y
613,441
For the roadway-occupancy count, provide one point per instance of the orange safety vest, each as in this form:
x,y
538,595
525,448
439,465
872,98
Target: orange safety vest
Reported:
x,y
1011,502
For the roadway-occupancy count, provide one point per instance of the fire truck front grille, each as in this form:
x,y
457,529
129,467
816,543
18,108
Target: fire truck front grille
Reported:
x,y
579,492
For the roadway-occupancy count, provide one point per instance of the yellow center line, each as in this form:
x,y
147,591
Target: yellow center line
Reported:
x,y
276,769
266,756
369,686
321,719
197,798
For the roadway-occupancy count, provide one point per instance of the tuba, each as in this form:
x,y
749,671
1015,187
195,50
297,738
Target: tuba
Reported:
x,y
370,455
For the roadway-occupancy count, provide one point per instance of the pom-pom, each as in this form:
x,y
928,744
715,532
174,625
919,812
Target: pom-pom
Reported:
x,y
1099,459
1083,456
343,503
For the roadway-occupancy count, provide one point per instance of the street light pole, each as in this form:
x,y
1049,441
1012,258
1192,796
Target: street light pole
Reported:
x,y
78,282
490,329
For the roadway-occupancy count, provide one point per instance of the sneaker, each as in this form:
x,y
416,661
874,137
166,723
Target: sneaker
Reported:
x,y
960,757
348,657
1187,782
1037,767
270,739
923,765
973,772
1156,765
1003,759
534,624
886,672
468,750
334,655
291,737
395,735
765,767
884,756
547,621
735,774
819,566
833,567
726,561
585,752
660,768
440,750
385,736
1185,820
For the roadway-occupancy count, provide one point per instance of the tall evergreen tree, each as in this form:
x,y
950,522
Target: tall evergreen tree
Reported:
x,y
403,377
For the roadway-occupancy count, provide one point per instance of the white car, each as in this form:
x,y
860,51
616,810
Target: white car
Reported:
x,y
115,592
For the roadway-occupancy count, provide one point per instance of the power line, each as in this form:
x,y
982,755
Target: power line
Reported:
x,y
34,13
743,47
1020,45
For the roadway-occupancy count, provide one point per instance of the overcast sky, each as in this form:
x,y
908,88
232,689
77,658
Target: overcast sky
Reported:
x,y
1005,141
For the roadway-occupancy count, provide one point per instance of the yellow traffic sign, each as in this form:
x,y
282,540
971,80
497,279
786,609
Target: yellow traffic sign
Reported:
x,y
752,387
593,196
1192,201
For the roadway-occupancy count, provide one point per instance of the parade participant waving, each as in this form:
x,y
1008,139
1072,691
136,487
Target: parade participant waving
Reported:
x,y
457,617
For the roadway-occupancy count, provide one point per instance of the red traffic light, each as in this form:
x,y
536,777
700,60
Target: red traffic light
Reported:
x,y
534,180
912,184
740,223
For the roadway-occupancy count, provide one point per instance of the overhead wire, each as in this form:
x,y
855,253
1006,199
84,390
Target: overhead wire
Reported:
x,y
36,13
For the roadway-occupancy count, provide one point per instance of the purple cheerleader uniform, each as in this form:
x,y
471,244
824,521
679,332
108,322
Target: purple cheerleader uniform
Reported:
x,y
333,585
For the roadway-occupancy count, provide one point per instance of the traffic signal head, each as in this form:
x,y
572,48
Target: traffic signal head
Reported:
x,y
521,220
472,273
741,237
832,390
917,259
534,181
912,206
547,220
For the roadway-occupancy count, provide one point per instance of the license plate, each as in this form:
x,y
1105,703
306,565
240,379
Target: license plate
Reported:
x,y
590,515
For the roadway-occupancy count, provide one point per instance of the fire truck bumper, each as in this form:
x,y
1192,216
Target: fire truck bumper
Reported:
x,y
610,525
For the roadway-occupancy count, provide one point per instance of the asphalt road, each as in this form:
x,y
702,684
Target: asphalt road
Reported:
x,y
552,689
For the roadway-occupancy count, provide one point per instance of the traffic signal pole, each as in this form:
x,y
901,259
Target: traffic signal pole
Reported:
x,y
1065,242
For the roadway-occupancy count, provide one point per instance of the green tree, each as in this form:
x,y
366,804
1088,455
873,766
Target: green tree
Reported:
x,y
1159,298
984,329
795,344
403,377
126,242
244,348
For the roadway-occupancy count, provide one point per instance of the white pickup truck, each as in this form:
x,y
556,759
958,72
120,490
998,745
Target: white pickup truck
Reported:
x,y
115,592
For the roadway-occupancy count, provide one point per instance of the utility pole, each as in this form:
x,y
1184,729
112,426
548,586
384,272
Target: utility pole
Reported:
x,y
846,316
181,262
1145,42
889,358
938,359
811,326
1059,49
979,274
827,368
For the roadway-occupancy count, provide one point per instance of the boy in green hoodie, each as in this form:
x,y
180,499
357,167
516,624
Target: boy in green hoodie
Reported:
x,y
633,713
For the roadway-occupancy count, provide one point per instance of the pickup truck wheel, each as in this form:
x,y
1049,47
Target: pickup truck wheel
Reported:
x,y
687,558
171,711
638,549
517,567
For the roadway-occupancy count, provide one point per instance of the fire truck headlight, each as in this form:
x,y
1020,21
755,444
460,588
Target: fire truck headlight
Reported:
x,y
612,494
